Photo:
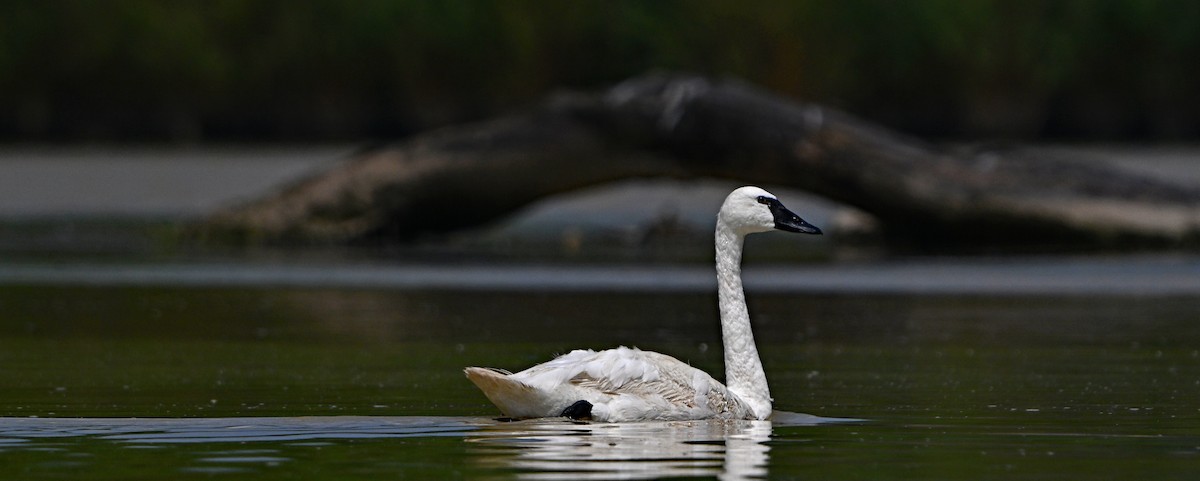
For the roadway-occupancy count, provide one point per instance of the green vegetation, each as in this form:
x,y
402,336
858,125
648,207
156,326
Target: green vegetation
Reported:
x,y
231,69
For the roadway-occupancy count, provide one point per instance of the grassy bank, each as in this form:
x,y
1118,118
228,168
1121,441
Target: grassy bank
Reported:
x,y
191,70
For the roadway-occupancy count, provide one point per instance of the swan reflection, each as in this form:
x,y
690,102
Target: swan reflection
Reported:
x,y
553,449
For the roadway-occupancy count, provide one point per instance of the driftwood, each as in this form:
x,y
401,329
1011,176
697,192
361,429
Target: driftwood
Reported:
x,y
688,127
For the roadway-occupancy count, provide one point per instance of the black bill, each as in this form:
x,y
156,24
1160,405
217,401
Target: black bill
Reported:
x,y
787,220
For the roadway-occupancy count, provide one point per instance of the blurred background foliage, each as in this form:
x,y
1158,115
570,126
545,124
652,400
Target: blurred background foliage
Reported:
x,y
286,70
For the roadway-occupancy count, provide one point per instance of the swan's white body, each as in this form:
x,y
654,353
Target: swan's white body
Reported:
x,y
627,384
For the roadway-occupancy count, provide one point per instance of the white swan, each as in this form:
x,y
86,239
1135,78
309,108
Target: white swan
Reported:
x,y
628,384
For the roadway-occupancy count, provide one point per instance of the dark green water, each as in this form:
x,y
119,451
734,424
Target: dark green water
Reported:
x,y
357,382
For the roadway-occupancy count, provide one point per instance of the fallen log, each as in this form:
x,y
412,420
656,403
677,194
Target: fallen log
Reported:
x,y
687,126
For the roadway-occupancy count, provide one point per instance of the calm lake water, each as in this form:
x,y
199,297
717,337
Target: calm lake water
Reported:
x,y
1026,369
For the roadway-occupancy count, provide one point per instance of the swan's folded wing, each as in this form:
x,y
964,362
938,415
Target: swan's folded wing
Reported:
x,y
652,376
670,389
616,366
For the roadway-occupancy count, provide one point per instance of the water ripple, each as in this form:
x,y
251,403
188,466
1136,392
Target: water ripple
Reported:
x,y
534,449
1130,275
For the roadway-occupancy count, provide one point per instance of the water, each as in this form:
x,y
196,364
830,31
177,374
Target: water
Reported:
x,y
341,371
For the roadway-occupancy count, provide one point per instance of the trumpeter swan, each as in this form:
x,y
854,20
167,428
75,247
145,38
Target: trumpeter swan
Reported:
x,y
628,384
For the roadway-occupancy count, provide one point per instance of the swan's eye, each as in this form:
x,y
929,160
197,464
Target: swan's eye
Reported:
x,y
764,200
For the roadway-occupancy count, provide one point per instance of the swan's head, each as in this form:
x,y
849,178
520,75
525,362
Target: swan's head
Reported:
x,y
751,209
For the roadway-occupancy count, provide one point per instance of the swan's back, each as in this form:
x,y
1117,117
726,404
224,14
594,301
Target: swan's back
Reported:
x,y
621,384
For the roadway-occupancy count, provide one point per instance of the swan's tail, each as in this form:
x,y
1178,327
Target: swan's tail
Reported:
x,y
514,398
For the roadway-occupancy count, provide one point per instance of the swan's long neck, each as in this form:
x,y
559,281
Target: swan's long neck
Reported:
x,y
743,370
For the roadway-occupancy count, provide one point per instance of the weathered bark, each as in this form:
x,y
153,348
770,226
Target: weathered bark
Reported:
x,y
687,126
